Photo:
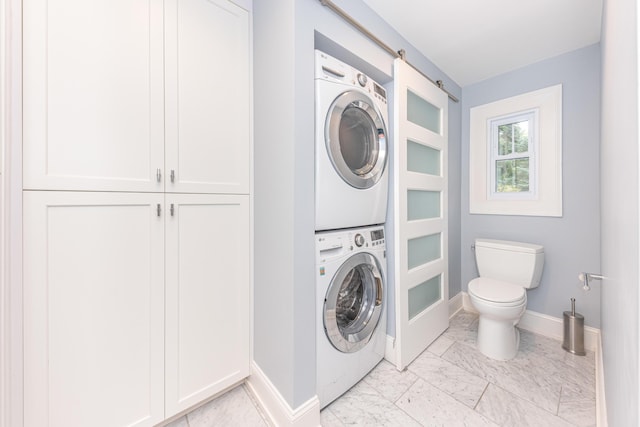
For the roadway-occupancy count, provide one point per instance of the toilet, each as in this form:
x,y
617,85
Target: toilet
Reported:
x,y
507,269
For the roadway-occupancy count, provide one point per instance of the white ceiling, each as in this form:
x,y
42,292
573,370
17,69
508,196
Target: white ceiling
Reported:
x,y
472,40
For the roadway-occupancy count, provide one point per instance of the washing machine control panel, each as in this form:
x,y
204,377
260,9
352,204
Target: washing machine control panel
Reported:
x,y
377,237
332,245
369,238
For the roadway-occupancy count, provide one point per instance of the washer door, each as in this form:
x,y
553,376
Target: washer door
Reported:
x,y
355,136
353,303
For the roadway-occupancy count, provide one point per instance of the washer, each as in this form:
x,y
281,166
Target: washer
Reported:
x,y
351,316
351,173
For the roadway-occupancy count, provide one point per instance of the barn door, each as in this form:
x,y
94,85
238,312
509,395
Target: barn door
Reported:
x,y
421,265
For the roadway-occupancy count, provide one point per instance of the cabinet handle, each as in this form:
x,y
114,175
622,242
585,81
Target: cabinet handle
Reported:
x,y
158,209
173,176
158,174
171,209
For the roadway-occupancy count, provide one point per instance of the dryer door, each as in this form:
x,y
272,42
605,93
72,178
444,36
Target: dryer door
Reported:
x,y
353,303
355,136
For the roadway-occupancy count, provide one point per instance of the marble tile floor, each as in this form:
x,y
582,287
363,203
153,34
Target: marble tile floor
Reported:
x,y
236,408
453,384
450,384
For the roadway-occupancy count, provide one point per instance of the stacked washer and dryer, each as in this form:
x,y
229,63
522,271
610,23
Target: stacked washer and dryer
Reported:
x,y
351,189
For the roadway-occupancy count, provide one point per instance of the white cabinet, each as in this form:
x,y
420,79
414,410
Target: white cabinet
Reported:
x,y
93,309
136,294
207,97
207,309
136,307
93,94
137,96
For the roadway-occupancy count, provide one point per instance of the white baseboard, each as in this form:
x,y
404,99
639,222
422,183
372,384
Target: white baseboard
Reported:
x,y
601,405
466,303
390,350
276,407
545,325
552,327
456,304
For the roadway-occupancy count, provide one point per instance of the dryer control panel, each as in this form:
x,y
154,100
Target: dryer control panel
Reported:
x,y
329,68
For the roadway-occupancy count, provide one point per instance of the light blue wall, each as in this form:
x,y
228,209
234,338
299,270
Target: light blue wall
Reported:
x,y
285,35
276,295
572,242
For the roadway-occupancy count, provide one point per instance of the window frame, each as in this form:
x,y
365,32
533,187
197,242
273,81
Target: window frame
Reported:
x,y
547,198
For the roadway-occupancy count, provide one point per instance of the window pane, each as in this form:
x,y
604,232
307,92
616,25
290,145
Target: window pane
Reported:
x,y
422,159
424,296
423,113
422,250
512,176
505,139
423,204
521,136
513,137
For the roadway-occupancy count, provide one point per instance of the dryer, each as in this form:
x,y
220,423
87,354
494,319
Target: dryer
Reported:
x,y
351,314
351,147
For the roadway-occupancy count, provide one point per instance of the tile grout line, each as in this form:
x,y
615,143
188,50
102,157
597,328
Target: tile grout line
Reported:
x,y
481,396
559,400
405,392
402,410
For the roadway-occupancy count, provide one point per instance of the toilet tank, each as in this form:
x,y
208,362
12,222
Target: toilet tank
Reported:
x,y
514,262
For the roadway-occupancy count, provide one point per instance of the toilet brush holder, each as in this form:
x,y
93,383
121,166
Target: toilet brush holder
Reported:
x,y
573,341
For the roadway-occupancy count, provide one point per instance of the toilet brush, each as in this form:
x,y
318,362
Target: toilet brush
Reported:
x,y
573,331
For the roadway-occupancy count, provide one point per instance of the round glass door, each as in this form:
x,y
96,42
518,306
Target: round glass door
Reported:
x,y
353,303
355,135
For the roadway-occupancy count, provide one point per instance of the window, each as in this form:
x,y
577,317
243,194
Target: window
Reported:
x,y
512,159
515,155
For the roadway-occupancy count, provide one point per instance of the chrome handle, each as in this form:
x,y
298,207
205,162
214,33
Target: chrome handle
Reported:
x,y
158,209
158,175
171,209
173,176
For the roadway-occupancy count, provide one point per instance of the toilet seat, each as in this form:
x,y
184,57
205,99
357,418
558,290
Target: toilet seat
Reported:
x,y
497,292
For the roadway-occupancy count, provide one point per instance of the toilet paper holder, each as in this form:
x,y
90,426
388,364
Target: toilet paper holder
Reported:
x,y
585,277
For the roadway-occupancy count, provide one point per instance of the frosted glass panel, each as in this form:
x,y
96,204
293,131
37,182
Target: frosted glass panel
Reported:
x,y
423,113
422,159
424,295
423,204
422,250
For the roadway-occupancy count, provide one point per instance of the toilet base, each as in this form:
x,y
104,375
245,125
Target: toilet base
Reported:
x,y
498,340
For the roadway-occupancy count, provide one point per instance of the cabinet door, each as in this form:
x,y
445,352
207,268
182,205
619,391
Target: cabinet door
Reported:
x,y
93,309
208,120
93,94
208,266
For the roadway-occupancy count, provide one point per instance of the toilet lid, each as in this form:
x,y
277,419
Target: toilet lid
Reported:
x,y
496,291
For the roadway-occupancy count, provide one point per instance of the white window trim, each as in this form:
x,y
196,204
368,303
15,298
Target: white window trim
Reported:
x,y
547,200
532,153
